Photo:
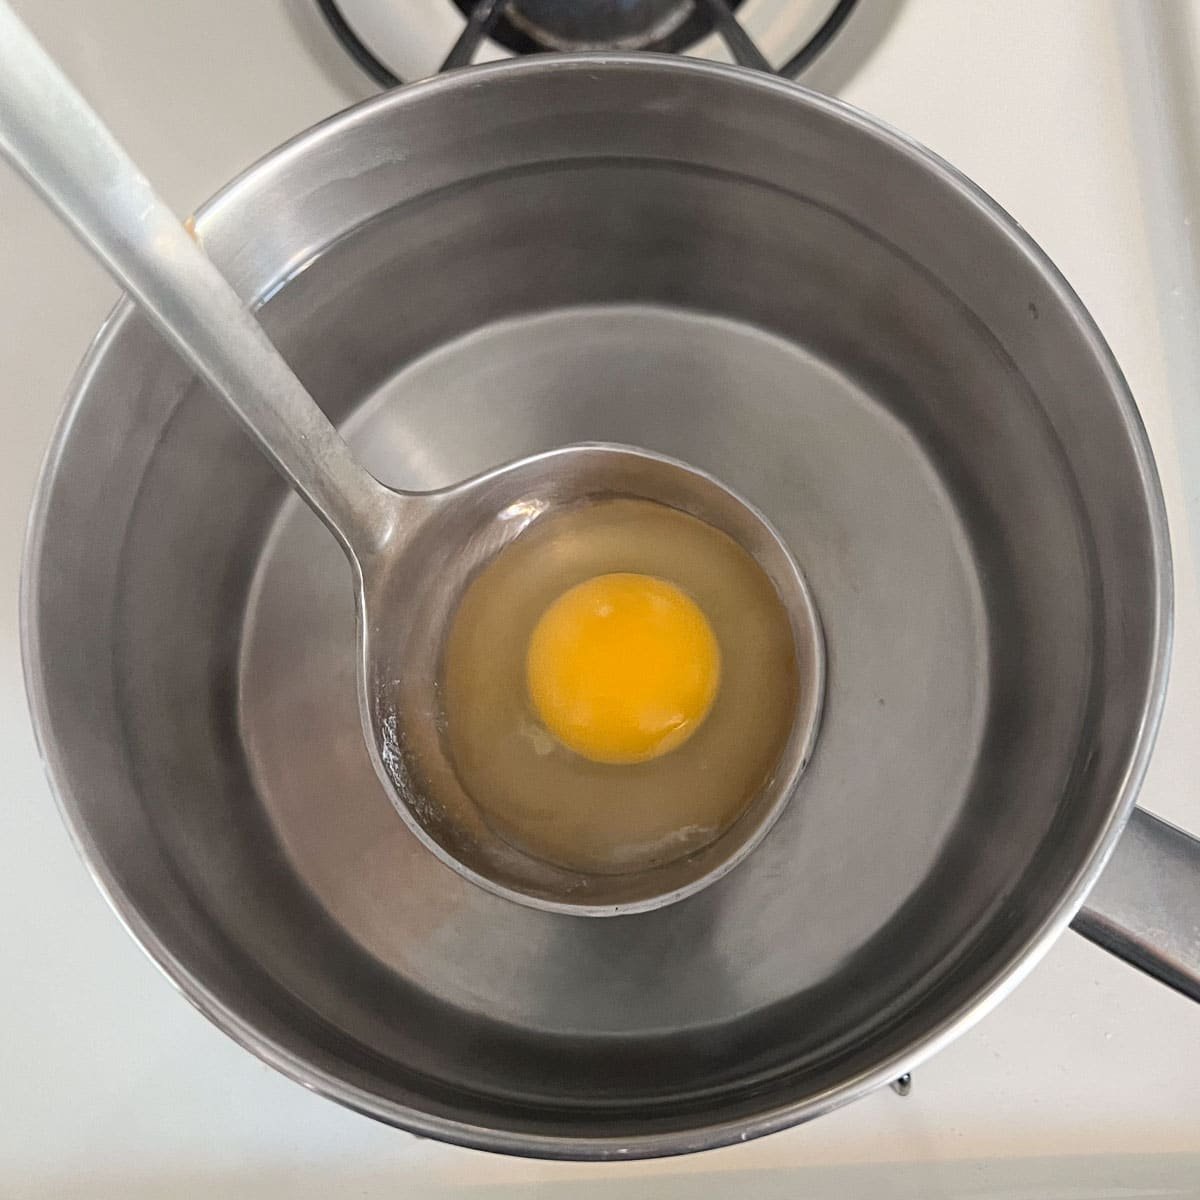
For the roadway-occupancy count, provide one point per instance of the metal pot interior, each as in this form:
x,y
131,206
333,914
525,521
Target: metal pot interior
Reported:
x,y
721,268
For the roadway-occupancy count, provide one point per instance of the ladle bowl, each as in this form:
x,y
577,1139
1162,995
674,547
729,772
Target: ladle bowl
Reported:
x,y
437,543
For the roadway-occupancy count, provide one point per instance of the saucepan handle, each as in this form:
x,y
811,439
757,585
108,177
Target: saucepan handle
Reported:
x,y
1146,906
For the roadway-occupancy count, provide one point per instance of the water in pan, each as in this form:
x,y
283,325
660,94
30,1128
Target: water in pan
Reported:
x,y
943,732
846,850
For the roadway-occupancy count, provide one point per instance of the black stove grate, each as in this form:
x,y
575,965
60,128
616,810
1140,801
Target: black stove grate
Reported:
x,y
538,25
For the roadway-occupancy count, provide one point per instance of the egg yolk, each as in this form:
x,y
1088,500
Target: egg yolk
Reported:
x,y
623,668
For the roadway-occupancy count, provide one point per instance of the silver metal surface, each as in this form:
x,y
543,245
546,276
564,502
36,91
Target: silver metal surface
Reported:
x,y
723,268
412,553
1146,906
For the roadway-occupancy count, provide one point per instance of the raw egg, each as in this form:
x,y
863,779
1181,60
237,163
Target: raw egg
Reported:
x,y
617,684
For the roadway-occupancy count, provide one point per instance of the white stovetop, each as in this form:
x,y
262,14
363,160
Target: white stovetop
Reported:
x,y
111,1086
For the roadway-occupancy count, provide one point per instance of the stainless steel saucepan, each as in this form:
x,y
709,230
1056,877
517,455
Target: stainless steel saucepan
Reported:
x,y
732,271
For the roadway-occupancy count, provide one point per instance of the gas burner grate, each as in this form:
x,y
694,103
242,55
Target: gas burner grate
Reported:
x,y
533,26
667,26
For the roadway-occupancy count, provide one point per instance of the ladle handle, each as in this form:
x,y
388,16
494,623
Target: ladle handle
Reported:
x,y
50,133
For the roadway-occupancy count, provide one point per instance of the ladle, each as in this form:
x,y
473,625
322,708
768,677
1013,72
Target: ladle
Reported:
x,y
410,553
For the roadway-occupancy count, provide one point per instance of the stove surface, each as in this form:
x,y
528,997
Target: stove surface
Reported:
x,y
1077,117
